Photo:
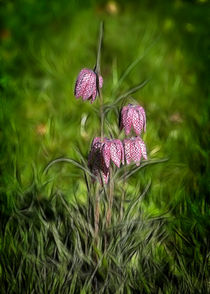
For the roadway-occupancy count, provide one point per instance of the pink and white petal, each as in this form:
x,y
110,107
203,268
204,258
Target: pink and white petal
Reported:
x,y
100,81
143,149
128,120
90,86
85,71
136,152
122,151
106,154
120,148
115,153
81,82
141,121
127,148
144,115
96,140
124,110
141,110
93,97
81,75
78,88
136,121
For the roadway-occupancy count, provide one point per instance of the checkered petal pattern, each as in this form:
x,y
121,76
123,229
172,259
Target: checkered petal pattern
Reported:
x,y
101,154
106,153
96,161
134,149
133,116
85,86
127,146
113,150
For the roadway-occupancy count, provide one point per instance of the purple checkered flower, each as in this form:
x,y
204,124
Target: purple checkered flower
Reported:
x,y
96,161
102,152
113,150
134,149
86,85
133,115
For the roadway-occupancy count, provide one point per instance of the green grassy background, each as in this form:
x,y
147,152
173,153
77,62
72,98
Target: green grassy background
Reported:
x,y
44,45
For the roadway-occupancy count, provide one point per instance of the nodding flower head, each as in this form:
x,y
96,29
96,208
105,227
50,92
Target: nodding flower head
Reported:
x,y
86,85
96,161
134,149
133,115
102,152
113,150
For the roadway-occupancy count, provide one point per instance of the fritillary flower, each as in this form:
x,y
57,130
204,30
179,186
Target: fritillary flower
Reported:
x,y
134,149
133,116
86,85
102,152
113,150
96,161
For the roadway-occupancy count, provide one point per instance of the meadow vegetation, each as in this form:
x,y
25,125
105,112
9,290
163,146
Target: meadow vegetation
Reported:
x,y
158,240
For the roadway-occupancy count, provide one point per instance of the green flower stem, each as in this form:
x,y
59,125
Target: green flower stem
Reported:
x,y
97,213
98,71
110,200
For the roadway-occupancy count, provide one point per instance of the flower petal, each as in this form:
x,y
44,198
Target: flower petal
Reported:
x,y
93,97
89,81
141,110
80,83
100,81
128,120
143,149
136,152
96,140
106,153
85,86
127,148
122,151
136,121
115,152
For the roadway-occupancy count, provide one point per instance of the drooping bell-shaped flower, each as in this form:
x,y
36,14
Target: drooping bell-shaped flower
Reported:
x,y
113,150
102,152
133,116
86,85
96,161
134,149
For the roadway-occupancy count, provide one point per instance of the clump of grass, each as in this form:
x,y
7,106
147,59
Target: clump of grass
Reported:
x,y
49,246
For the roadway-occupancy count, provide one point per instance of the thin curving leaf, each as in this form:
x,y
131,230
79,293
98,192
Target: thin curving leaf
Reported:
x,y
68,160
128,174
132,66
129,92
136,201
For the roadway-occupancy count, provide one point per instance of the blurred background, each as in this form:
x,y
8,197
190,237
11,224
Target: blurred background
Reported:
x,y
44,45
